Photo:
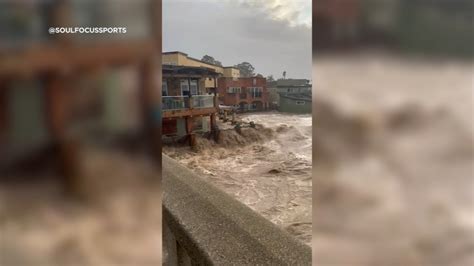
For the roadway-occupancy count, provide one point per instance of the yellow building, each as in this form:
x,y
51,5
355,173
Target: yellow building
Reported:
x,y
231,72
182,59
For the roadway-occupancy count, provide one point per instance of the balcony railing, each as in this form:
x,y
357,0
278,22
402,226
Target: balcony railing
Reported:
x,y
186,102
175,102
202,101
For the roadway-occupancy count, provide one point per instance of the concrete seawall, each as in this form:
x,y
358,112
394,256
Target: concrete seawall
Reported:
x,y
204,226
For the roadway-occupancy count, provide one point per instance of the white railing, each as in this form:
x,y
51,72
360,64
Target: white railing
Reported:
x,y
202,101
175,102
186,102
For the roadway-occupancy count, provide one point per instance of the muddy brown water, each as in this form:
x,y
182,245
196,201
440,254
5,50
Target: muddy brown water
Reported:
x,y
267,168
393,171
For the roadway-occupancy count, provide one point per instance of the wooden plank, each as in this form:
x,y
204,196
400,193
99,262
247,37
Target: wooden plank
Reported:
x,y
53,57
189,112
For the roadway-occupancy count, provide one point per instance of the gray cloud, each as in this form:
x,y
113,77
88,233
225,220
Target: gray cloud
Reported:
x,y
293,12
233,33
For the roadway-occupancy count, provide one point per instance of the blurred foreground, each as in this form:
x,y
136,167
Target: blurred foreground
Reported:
x,y
73,190
393,160
119,224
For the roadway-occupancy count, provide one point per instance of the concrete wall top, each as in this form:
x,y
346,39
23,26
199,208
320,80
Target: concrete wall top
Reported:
x,y
216,229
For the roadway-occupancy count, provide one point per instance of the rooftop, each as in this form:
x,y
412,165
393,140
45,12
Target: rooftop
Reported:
x,y
192,58
172,70
293,82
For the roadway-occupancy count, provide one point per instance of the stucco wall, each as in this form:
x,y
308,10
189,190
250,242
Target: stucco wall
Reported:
x,y
181,59
243,83
231,72
288,105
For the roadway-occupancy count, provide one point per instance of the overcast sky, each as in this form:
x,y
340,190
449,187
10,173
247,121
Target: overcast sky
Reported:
x,y
272,35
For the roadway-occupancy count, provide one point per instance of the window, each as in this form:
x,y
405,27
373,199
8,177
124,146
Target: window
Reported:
x,y
256,92
164,88
184,87
234,90
194,87
300,102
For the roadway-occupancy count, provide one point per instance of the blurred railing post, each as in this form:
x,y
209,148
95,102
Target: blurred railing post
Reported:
x,y
150,85
156,23
3,114
61,17
150,103
66,148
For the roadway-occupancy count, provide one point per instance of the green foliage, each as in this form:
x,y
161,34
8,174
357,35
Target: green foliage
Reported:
x,y
209,59
246,69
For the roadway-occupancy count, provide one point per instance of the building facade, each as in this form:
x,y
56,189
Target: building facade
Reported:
x,y
177,58
294,95
186,108
248,94
293,86
294,104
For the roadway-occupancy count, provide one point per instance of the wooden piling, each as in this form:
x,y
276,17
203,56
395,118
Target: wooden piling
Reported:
x,y
189,131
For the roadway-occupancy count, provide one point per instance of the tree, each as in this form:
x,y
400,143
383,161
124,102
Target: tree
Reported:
x,y
284,74
246,69
270,78
209,59
259,75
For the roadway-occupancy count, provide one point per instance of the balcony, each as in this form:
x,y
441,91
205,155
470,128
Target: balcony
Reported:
x,y
175,102
180,106
202,101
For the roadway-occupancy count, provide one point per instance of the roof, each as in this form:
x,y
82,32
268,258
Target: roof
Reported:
x,y
297,96
292,82
189,57
175,52
271,84
172,70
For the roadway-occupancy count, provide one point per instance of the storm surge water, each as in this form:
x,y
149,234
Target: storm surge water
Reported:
x,y
268,167
393,172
